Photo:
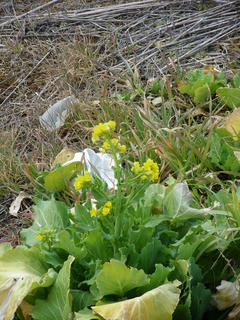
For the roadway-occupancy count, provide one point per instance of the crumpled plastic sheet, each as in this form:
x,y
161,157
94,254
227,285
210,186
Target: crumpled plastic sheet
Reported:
x,y
98,164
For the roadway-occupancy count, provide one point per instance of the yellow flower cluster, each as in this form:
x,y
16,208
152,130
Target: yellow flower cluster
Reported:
x,y
111,144
149,169
39,237
82,181
105,210
101,129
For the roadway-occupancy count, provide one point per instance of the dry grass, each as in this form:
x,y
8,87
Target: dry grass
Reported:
x,y
39,67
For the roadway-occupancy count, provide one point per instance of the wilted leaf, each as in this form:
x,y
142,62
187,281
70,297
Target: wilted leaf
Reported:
x,y
15,205
226,295
58,304
21,271
58,179
232,124
116,278
26,308
157,304
230,96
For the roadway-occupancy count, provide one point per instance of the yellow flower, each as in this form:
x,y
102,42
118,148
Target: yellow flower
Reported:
x,y
105,211
108,204
112,145
82,181
93,212
136,169
151,169
122,148
39,237
102,129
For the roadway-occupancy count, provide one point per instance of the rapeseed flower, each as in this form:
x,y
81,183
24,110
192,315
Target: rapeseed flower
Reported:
x,y
112,145
39,237
105,211
149,169
102,129
82,180
93,212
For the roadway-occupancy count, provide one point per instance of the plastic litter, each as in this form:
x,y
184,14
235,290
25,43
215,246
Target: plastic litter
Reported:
x,y
55,116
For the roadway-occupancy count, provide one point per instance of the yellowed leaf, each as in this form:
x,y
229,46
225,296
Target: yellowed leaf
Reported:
x,y
156,304
65,155
232,124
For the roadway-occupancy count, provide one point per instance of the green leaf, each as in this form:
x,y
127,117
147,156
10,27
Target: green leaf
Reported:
x,y
154,252
116,278
154,195
177,203
182,312
81,299
236,80
156,220
159,277
49,215
58,179
85,314
156,304
21,271
58,304
200,301
65,242
97,246
83,219
202,94
230,96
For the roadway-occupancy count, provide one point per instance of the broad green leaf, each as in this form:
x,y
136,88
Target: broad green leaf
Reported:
x,y
85,314
48,215
154,252
157,304
21,271
236,80
159,277
200,301
156,220
97,246
81,299
58,179
182,312
177,203
116,278
232,124
202,94
230,96
154,195
65,242
83,218
58,304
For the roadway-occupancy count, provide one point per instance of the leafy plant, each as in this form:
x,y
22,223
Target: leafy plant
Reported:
x,y
135,248
202,84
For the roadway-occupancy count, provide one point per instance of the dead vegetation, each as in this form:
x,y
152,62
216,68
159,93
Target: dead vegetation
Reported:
x,y
86,49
